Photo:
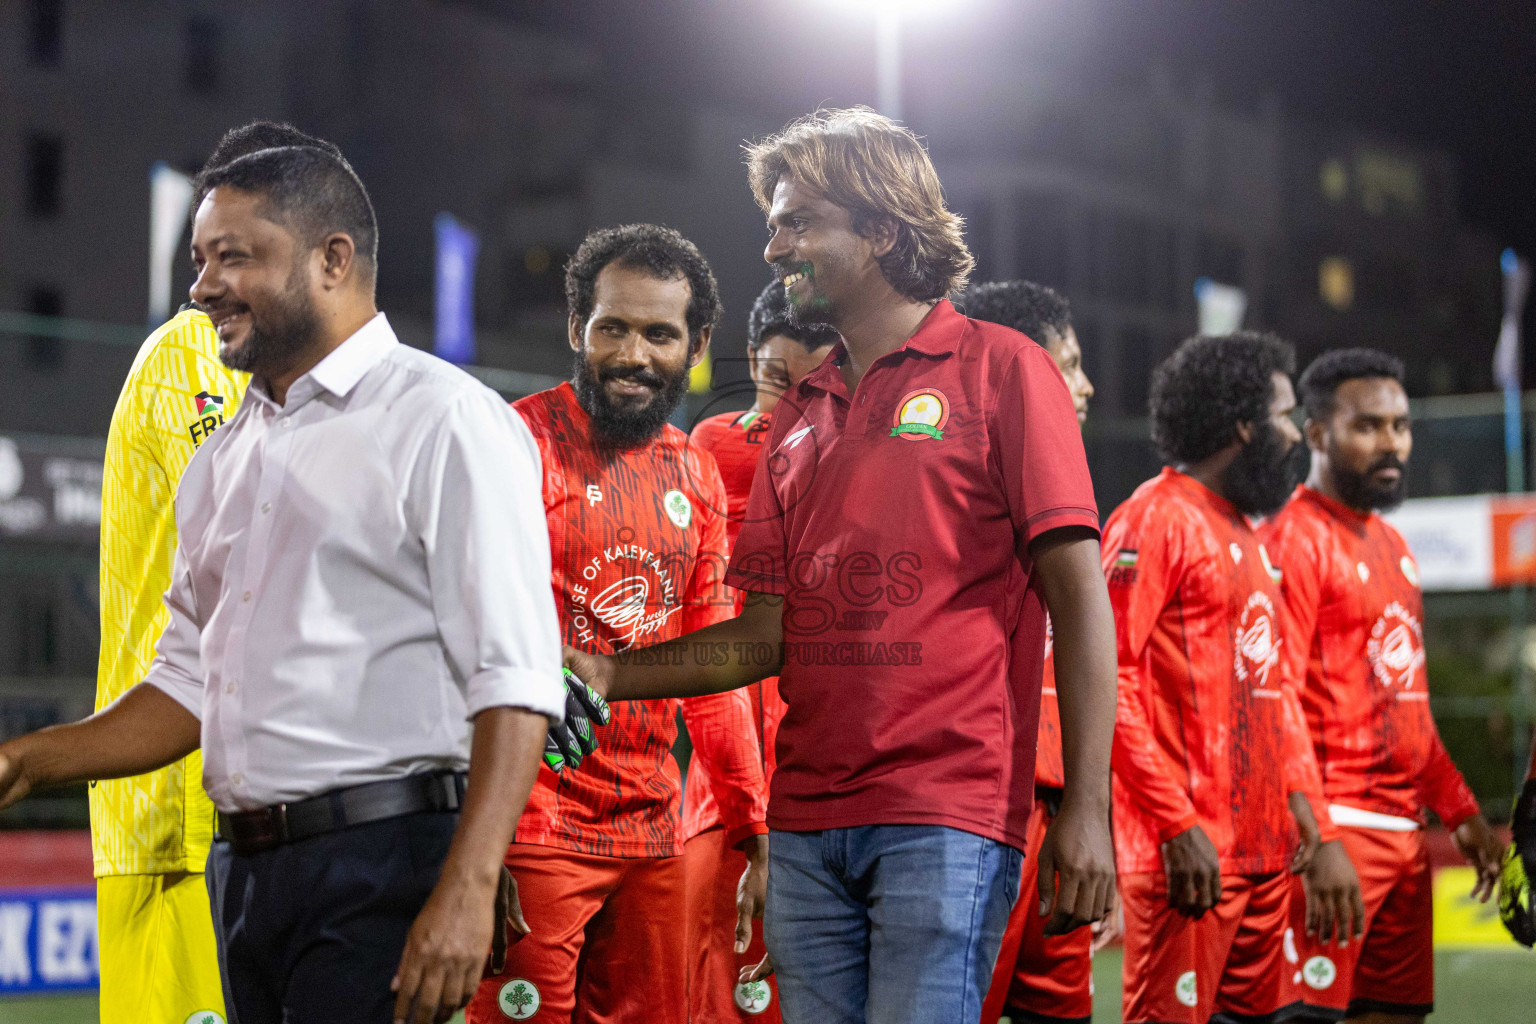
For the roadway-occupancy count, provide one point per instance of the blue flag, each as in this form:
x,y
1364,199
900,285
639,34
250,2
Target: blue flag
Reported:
x,y
457,247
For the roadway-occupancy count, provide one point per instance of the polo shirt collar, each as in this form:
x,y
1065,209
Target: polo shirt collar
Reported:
x,y
346,364
938,334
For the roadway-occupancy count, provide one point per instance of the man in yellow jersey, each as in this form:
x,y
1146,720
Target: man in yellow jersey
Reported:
x,y
150,833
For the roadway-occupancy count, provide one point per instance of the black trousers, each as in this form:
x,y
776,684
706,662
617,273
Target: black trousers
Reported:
x,y
311,932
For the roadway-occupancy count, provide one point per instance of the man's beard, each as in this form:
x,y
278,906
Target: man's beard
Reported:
x,y
618,426
1358,492
1264,473
813,311
279,333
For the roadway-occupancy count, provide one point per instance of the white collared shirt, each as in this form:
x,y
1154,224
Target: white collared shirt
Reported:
x,y
358,572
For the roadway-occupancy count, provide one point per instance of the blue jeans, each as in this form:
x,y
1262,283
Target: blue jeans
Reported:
x,y
886,923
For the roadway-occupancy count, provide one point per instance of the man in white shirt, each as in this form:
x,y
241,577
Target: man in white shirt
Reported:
x,y
362,569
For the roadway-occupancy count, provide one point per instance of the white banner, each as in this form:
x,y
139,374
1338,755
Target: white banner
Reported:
x,y
170,195
1451,539
1221,307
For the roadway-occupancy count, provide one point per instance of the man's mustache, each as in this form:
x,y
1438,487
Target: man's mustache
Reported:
x,y
638,374
1387,462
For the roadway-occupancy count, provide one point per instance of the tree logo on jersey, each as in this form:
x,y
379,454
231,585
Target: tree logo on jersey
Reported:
x,y
753,996
1256,647
1184,989
921,415
1410,570
1319,972
205,1017
518,999
679,508
1396,647
210,413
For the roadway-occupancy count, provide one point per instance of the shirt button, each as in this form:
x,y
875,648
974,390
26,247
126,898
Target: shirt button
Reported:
x,y
238,779
266,507
230,687
245,596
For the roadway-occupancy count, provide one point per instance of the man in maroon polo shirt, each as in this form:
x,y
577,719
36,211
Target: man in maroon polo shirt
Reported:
x,y
925,500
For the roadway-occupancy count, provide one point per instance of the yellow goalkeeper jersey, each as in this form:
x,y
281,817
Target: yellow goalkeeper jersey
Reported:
x,y
176,395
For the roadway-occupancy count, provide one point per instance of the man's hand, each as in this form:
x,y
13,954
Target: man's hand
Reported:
x,y
1478,843
444,957
1194,872
751,890
1335,910
596,670
1306,826
1109,929
508,913
1077,871
14,783
573,739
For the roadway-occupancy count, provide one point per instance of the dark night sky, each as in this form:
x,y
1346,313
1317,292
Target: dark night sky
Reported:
x,y
1454,76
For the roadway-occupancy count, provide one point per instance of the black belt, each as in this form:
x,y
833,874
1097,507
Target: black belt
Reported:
x,y
253,831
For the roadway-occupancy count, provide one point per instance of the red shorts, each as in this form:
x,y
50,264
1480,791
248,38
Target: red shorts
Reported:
x,y
1180,971
605,947
1040,977
1392,970
714,995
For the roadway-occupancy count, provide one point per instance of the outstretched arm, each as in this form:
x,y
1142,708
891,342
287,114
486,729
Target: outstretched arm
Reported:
x,y
142,730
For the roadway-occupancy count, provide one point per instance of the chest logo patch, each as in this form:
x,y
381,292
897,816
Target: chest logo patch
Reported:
x,y
1396,647
1410,570
679,508
1256,648
922,415
1364,571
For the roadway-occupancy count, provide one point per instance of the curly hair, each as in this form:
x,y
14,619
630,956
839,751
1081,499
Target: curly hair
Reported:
x,y
1210,385
655,250
770,316
1322,378
876,170
1029,308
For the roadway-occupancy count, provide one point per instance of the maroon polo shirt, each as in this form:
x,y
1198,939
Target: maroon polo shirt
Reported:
x,y
896,524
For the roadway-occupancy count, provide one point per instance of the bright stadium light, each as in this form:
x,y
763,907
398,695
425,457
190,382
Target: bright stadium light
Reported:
x,y
888,15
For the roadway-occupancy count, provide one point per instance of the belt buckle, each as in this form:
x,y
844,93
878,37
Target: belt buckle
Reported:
x,y
279,819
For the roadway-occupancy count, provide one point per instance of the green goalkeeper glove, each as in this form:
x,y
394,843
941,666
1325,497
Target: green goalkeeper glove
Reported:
x,y
572,740
1515,901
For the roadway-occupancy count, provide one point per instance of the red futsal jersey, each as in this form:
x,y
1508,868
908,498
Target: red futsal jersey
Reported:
x,y
639,550
1203,735
735,439
896,522
1354,614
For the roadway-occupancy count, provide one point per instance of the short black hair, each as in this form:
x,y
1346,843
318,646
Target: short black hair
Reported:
x,y
251,138
770,316
311,192
1210,385
1029,308
1320,382
658,251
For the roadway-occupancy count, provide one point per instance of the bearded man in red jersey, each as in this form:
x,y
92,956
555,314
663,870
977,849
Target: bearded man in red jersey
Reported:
x,y
1040,978
1353,623
722,938
638,546
1211,760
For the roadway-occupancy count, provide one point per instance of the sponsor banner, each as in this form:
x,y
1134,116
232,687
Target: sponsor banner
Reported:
x,y
48,940
50,488
1473,543
1459,919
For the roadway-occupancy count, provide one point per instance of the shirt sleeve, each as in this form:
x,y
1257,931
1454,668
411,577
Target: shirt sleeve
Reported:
x,y
760,560
1144,567
1039,449
724,737
1441,786
1299,563
477,497
178,669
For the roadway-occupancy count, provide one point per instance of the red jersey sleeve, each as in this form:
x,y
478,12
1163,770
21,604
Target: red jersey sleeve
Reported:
x,y
1441,786
1039,449
1294,554
1143,561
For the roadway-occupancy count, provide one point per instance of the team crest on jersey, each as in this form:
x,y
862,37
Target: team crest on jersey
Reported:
x,y
921,415
1184,989
518,999
1410,570
210,414
753,996
206,1017
1395,649
1274,573
1319,972
679,508
1256,648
